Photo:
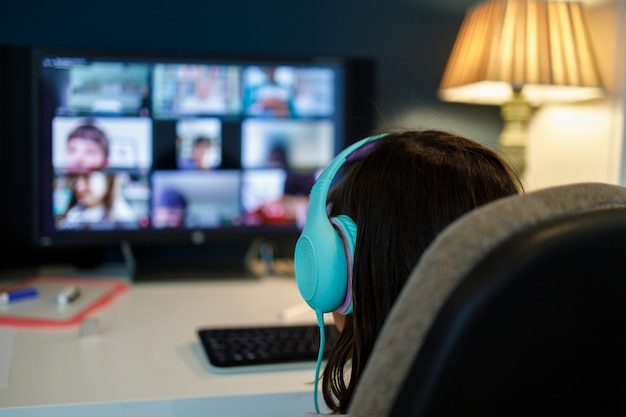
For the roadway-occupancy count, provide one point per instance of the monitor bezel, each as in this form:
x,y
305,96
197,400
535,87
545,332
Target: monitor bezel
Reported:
x,y
358,77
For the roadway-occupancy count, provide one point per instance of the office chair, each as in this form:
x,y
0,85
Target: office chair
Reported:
x,y
517,309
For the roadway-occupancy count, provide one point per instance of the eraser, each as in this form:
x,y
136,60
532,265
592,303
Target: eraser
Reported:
x,y
68,295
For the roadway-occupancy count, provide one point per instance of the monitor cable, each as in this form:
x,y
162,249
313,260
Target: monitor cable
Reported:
x,y
129,258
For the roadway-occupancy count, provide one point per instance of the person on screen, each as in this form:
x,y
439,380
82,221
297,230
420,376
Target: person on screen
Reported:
x,y
168,209
290,207
277,157
401,191
201,155
206,99
87,149
269,98
96,203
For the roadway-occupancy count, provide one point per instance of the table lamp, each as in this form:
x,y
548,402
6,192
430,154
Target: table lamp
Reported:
x,y
521,54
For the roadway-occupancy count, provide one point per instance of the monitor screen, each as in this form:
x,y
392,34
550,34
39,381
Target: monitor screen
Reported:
x,y
157,148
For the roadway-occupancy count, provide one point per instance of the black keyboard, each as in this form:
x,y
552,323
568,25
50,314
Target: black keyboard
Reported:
x,y
242,346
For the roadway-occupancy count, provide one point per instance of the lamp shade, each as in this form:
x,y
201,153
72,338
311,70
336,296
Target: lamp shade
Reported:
x,y
540,48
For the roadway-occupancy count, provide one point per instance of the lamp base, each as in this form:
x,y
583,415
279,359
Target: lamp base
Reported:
x,y
515,157
512,141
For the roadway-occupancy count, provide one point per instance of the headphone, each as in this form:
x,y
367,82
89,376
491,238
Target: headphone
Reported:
x,y
325,249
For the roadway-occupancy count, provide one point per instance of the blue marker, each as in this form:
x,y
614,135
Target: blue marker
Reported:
x,y
8,297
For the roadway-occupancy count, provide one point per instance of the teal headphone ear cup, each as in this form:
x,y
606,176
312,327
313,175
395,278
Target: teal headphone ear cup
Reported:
x,y
320,268
346,227
332,289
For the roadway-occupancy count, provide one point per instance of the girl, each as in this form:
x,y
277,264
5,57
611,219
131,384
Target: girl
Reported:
x,y
398,190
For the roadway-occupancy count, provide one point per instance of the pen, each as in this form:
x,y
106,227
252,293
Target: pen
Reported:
x,y
8,297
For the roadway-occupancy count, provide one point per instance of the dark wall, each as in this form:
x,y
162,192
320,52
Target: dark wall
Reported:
x,y
410,42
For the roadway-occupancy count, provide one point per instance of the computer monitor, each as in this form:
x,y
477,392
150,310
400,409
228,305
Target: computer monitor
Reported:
x,y
158,149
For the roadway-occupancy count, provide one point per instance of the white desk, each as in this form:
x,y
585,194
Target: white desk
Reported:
x,y
146,359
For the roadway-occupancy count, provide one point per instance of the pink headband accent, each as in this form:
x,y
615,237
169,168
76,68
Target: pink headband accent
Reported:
x,y
347,301
361,152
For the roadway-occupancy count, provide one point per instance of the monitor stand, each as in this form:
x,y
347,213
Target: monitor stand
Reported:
x,y
187,263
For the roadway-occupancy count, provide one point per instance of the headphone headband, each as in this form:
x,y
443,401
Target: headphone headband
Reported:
x,y
319,192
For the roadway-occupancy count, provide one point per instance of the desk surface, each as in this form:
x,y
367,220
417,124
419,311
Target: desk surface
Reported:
x,y
147,350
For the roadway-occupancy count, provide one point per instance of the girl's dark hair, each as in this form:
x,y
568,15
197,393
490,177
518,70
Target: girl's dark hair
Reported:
x,y
401,195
